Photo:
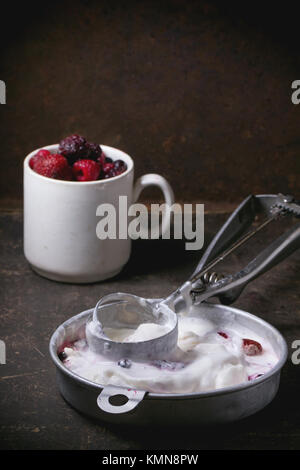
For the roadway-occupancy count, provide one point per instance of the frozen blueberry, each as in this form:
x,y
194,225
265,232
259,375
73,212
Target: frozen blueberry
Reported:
x,y
120,166
62,356
125,363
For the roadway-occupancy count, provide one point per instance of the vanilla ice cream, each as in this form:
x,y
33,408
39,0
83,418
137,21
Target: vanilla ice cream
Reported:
x,y
207,357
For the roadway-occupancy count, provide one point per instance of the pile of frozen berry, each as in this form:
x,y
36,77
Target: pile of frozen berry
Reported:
x,y
77,160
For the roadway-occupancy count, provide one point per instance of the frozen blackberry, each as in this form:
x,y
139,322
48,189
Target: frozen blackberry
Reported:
x,y
95,151
74,147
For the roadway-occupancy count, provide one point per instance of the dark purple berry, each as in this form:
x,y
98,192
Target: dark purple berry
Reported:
x,y
110,173
74,147
62,356
108,160
120,166
168,365
126,363
101,159
94,151
107,167
222,333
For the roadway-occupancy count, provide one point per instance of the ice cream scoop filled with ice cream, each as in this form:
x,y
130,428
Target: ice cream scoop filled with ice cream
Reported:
x,y
124,325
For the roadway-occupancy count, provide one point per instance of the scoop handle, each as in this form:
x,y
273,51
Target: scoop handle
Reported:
x,y
241,219
230,287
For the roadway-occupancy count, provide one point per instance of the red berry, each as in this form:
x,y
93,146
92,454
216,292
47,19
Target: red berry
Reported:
x,y
251,347
254,376
101,159
40,154
112,168
86,170
66,344
221,333
107,167
110,173
43,153
33,160
54,166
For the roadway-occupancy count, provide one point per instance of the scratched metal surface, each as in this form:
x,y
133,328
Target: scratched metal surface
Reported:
x,y
32,413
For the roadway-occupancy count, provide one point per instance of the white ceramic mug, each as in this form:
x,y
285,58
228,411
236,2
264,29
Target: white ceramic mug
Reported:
x,y
60,240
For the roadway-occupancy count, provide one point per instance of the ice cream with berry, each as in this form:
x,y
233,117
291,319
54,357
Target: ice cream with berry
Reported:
x,y
208,356
76,160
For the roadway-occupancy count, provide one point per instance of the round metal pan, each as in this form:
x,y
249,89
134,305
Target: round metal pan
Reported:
x,y
218,406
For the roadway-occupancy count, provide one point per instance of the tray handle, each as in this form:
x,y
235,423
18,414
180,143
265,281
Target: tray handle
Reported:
x,y
105,402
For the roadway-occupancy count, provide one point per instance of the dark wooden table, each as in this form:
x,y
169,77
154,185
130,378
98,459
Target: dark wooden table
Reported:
x,y
33,415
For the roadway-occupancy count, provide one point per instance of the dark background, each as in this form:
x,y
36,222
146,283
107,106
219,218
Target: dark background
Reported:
x,y
197,91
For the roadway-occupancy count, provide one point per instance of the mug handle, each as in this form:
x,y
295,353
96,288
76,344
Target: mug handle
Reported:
x,y
152,179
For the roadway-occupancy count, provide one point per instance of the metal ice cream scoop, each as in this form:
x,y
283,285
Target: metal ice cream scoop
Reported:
x,y
121,310
127,311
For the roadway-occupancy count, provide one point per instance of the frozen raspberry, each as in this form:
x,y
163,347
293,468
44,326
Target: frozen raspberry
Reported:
x,y
254,376
251,347
86,170
221,333
43,153
66,344
107,167
74,147
110,173
40,154
54,166
115,168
